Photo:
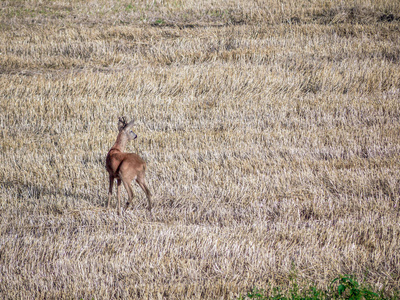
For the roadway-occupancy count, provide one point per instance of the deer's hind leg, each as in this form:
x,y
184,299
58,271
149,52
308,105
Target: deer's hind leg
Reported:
x,y
110,190
119,195
140,180
128,187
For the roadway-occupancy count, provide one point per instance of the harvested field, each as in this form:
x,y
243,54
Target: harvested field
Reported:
x,y
270,131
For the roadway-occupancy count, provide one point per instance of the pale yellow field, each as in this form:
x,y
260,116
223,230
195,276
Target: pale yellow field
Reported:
x,y
270,130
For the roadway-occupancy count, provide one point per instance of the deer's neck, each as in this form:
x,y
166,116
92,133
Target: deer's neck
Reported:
x,y
120,143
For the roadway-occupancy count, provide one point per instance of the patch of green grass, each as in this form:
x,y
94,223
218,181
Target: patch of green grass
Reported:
x,y
159,22
130,7
342,287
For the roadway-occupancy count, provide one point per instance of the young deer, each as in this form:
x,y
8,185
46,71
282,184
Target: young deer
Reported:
x,y
125,166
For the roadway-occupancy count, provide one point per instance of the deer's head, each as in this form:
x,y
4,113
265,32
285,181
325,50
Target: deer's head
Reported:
x,y
126,127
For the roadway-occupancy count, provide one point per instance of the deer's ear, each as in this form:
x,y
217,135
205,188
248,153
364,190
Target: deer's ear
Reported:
x,y
130,124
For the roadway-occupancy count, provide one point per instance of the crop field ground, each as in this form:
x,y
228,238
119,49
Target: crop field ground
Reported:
x,y
271,132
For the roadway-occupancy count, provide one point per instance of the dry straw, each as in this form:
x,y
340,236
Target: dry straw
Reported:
x,y
270,131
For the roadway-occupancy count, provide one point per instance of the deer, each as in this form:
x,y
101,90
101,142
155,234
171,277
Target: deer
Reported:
x,y
125,167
